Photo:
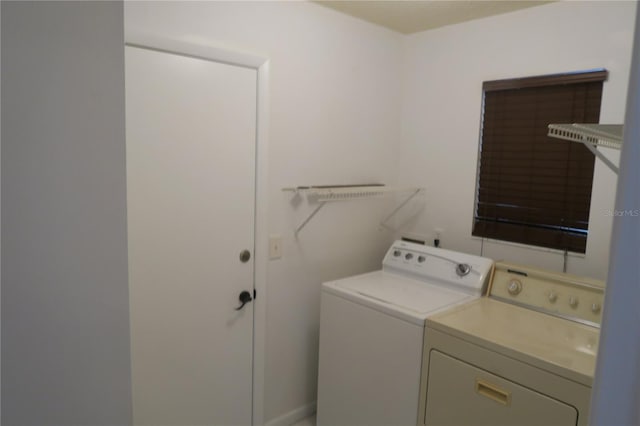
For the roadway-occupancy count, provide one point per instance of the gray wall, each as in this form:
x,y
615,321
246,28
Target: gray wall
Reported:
x,y
65,313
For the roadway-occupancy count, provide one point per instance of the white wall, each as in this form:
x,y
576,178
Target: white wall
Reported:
x,y
443,74
335,118
65,306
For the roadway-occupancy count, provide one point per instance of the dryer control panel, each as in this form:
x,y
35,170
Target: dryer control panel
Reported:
x,y
564,295
435,265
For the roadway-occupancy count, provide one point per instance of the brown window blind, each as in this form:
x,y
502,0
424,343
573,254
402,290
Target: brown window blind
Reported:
x,y
534,189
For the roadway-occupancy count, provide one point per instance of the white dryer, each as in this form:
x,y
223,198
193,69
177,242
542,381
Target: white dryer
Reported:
x,y
372,327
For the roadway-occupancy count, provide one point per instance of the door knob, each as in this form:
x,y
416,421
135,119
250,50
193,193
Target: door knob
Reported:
x,y
245,255
245,297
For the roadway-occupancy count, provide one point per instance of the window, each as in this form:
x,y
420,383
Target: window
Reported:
x,y
531,188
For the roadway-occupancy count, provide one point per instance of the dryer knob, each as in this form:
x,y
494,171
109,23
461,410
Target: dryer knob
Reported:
x,y
595,308
573,302
514,287
553,296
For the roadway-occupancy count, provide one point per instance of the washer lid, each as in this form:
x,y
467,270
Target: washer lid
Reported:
x,y
396,295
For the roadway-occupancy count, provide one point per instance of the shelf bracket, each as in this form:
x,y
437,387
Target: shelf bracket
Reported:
x,y
313,213
601,156
383,223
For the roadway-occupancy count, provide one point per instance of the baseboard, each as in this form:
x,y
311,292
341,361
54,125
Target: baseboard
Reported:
x,y
293,416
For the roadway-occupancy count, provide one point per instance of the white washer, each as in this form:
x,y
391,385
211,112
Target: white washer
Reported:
x,y
372,327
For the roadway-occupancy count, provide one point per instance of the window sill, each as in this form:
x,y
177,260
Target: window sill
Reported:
x,y
532,248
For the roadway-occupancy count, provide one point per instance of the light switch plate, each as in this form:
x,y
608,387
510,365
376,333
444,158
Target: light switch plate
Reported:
x,y
275,247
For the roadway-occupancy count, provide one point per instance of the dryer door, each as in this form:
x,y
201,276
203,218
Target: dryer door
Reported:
x,y
460,394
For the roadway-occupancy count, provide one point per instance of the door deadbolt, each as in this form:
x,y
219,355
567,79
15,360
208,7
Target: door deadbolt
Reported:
x,y
245,255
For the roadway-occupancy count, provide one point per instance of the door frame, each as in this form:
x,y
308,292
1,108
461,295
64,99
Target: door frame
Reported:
x,y
261,65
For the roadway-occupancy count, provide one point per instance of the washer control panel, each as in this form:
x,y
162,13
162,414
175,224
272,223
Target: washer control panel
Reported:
x,y
564,295
437,265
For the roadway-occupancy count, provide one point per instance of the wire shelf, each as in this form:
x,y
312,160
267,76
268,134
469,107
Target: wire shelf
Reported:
x,y
325,193
345,192
591,136
606,135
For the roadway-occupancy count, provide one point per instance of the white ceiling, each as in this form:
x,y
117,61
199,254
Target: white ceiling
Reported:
x,y
410,16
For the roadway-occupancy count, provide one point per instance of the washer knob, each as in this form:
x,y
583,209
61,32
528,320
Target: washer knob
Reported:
x,y
595,308
397,253
573,301
421,259
514,287
553,296
463,269
408,256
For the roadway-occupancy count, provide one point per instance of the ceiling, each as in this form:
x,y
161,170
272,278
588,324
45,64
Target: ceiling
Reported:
x,y
410,16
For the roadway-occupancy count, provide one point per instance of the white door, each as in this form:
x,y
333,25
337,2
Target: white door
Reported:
x,y
191,133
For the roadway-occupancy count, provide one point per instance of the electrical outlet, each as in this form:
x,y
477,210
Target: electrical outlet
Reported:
x,y
275,247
